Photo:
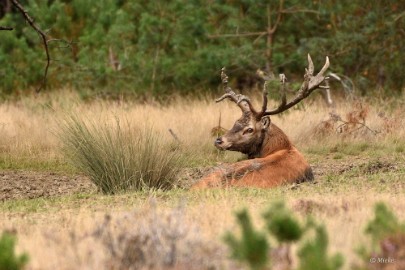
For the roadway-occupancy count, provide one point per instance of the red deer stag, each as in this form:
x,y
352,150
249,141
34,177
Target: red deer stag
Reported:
x,y
273,159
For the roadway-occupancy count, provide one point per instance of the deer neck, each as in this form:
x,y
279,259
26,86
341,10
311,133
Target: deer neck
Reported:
x,y
273,141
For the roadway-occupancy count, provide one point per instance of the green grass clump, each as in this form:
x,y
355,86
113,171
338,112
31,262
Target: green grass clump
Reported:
x,y
34,163
118,159
8,259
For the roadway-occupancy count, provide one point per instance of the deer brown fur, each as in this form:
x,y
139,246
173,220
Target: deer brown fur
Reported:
x,y
273,159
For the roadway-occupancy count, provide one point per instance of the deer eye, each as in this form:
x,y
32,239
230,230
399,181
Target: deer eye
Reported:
x,y
249,130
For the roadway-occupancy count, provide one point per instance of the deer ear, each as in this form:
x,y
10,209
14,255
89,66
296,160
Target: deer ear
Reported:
x,y
265,122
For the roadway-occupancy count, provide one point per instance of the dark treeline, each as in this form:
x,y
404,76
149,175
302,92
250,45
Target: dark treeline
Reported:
x,y
161,47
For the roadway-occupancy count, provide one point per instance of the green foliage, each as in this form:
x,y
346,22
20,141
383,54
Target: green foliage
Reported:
x,y
164,46
385,223
313,254
387,235
282,224
116,159
253,246
8,259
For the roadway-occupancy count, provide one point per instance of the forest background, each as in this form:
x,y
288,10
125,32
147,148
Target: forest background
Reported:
x,y
155,48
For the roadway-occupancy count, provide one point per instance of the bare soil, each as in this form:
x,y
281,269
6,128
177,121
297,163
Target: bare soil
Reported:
x,y
29,185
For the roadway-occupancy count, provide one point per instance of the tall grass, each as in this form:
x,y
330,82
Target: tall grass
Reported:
x,y
27,141
118,158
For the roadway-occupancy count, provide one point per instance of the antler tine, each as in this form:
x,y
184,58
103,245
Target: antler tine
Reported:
x,y
310,70
224,80
283,79
237,98
308,86
264,105
314,82
325,67
228,91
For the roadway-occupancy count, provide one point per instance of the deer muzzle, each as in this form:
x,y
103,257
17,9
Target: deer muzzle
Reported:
x,y
218,141
222,143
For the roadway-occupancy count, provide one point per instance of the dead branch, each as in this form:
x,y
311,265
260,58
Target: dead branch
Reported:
x,y
6,28
174,135
343,126
41,33
272,29
247,34
361,125
297,10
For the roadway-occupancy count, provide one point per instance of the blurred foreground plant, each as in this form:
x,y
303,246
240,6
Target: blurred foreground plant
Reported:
x,y
8,259
253,247
387,235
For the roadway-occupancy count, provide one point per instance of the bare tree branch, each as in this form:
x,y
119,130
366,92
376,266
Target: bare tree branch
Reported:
x,y
248,34
279,16
68,44
271,29
41,34
6,28
292,10
269,32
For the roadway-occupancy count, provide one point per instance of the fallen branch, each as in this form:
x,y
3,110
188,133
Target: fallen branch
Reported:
x,y
336,118
375,132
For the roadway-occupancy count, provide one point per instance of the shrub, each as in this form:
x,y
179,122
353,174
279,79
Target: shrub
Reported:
x,y
282,224
253,247
387,234
116,159
313,254
8,259
151,237
385,223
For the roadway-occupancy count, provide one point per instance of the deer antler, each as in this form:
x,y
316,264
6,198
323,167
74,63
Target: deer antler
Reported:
x,y
310,83
242,101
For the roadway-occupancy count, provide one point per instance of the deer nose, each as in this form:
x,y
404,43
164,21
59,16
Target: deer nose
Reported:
x,y
219,141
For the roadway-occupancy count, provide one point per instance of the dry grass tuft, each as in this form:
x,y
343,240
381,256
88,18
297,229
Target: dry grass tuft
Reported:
x,y
118,158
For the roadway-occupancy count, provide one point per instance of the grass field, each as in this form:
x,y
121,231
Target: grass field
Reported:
x,y
79,228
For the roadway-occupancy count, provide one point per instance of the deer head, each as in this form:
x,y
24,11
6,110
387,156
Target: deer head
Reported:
x,y
252,134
